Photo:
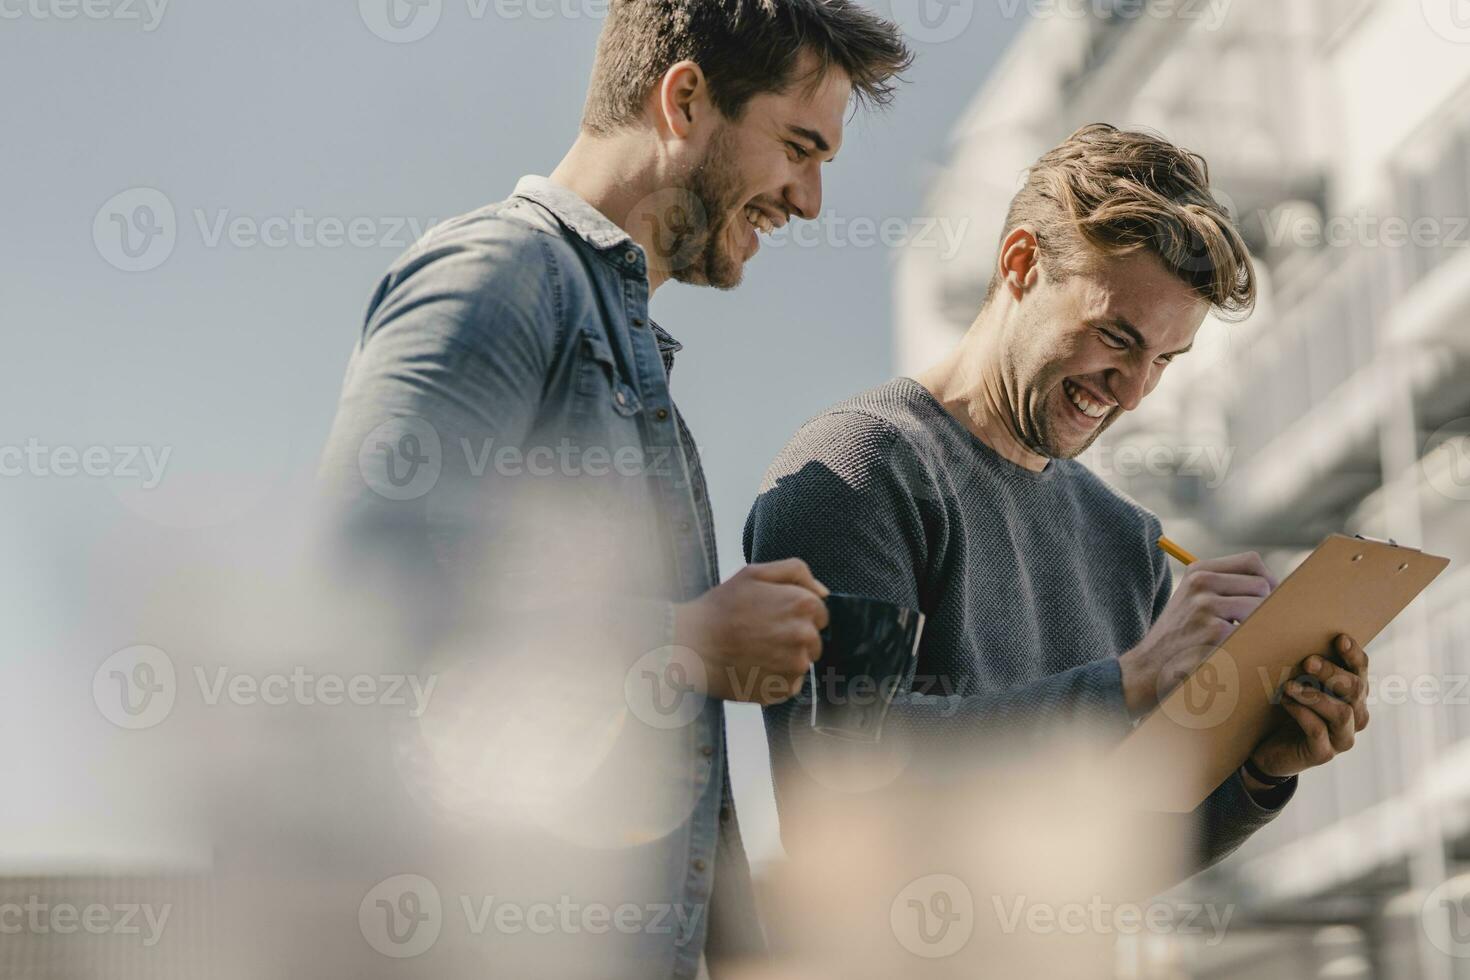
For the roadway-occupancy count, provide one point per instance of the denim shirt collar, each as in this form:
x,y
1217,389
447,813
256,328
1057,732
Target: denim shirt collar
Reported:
x,y
591,225
667,345
594,227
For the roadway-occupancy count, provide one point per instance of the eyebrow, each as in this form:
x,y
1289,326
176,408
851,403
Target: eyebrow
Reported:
x,y
1122,325
813,137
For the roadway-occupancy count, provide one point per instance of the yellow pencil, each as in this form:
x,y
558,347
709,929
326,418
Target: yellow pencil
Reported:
x,y
1170,548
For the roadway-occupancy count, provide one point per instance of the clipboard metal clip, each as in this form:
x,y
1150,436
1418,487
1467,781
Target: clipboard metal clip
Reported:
x,y
1390,542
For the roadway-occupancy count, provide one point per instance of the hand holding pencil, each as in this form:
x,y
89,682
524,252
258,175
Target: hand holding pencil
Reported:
x,y
1213,596
1327,701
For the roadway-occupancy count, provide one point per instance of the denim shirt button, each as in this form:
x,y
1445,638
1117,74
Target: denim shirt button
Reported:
x,y
699,864
707,750
631,257
662,414
625,400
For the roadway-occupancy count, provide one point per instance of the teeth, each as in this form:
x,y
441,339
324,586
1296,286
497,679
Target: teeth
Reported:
x,y
758,218
1084,403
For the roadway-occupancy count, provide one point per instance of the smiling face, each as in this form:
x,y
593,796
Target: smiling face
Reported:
x,y
759,171
1081,352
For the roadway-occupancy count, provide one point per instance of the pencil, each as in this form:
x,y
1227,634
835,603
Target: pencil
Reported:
x,y
1170,548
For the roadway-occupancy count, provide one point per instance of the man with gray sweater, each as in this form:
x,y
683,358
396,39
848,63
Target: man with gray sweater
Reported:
x,y
957,493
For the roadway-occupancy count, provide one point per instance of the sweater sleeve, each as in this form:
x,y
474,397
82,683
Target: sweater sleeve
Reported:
x,y
850,497
1230,815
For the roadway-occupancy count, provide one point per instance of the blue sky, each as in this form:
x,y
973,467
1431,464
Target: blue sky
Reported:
x,y
299,152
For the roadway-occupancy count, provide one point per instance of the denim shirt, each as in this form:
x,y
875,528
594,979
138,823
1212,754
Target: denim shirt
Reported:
x,y
525,323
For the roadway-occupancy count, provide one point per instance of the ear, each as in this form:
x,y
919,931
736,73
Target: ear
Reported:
x,y
681,98
1019,261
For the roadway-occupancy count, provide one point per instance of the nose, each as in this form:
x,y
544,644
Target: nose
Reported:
x,y
1129,385
804,194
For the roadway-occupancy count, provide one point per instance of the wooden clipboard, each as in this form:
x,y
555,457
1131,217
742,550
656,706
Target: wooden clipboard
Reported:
x,y
1205,728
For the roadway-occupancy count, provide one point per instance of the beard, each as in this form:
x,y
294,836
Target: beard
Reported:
x,y
1038,424
700,252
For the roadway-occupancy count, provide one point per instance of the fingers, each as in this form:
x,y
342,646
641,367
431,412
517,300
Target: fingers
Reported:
x,y
1248,563
1342,684
1336,716
1354,657
1234,608
808,642
1227,583
781,688
790,571
1315,738
806,608
816,610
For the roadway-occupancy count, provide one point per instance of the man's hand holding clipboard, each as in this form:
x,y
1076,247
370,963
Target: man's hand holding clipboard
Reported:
x,y
1230,681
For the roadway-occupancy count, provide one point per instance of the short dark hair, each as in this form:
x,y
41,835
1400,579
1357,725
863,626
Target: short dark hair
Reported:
x,y
1112,191
744,47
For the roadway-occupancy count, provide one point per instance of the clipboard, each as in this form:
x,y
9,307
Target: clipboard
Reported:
x,y
1204,729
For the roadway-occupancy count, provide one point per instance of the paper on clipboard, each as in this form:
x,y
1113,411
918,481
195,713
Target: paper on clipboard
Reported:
x,y
1207,726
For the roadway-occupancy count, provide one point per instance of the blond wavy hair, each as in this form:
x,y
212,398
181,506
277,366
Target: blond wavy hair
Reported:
x,y
1112,192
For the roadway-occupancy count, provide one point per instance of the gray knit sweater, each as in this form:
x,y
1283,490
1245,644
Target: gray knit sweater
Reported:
x,y
1033,584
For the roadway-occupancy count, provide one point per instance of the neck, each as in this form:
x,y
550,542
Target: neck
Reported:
x,y
971,385
614,174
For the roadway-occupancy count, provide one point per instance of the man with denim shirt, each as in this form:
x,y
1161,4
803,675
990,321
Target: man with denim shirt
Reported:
x,y
525,327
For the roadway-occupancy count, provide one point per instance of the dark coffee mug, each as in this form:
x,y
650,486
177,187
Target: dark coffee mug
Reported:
x,y
869,650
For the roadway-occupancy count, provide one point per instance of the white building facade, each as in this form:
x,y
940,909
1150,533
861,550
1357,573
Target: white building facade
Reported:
x,y
1339,133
